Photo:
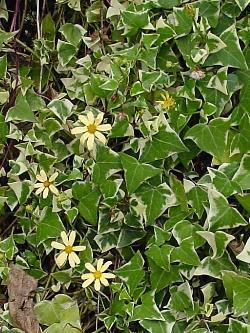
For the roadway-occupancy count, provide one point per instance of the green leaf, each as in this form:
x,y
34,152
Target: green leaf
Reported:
x,y
136,173
50,225
162,145
148,309
221,215
73,33
22,190
62,108
231,55
236,326
156,199
4,130
186,253
88,195
128,236
242,175
238,288
138,19
160,255
242,4
132,273
182,22
218,241
3,67
222,183
8,247
185,229
245,253
21,111
154,326
66,51
214,267
107,163
204,136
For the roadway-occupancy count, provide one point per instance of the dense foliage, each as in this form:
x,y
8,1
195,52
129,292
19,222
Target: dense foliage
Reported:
x,y
125,163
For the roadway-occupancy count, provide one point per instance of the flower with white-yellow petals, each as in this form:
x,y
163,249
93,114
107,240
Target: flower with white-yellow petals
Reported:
x,y
46,184
92,129
167,101
97,274
68,250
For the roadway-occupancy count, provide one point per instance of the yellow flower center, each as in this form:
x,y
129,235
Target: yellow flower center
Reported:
x,y
68,249
189,9
97,274
46,183
92,128
168,102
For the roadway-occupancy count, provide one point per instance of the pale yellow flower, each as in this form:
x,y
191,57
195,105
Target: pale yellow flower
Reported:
x,y
97,275
92,129
46,184
167,101
68,250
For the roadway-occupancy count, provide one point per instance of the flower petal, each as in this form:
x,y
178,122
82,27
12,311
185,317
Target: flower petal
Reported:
x,y
79,248
57,245
104,127
61,259
74,257
39,190
100,137
40,178
37,185
87,276
45,192
43,175
104,281
97,285
72,237
99,118
53,177
108,275
90,117
84,120
79,130
105,266
87,282
84,137
90,267
53,189
64,238
99,264
90,142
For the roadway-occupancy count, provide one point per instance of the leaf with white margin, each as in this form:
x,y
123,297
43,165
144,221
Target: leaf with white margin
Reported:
x,y
107,163
214,267
155,200
242,176
165,326
62,108
231,55
222,183
219,81
148,309
218,241
245,254
186,253
242,3
236,326
136,173
221,215
162,145
132,273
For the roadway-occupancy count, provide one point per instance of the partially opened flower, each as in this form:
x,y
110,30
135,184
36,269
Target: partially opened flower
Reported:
x,y
92,129
167,101
97,275
68,250
46,184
